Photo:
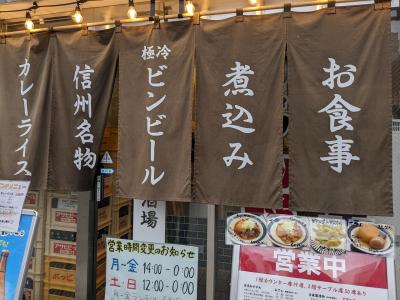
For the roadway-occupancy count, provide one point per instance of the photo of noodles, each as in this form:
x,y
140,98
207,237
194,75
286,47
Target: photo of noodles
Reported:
x,y
329,235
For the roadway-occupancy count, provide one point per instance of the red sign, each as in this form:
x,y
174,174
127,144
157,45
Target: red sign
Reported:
x,y
277,273
350,268
65,249
66,217
31,199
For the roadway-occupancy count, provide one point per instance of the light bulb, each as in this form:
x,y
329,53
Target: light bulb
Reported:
x,y
28,21
253,2
77,16
132,13
189,7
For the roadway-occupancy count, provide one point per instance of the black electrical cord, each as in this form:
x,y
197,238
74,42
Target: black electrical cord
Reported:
x,y
37,6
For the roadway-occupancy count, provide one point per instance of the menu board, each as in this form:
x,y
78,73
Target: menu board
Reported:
x,y
140,271
12,197
292,274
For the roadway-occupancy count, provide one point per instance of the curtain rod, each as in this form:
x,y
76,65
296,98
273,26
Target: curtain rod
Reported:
x,y
185,15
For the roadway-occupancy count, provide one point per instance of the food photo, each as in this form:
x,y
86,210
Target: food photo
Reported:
x,y
371,238
288,231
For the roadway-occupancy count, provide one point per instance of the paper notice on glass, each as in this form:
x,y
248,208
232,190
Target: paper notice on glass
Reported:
x,y
149,221
12,197
140,271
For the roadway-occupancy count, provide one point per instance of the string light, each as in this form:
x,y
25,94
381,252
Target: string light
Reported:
x,y
132,13
189,7
77,16
28,21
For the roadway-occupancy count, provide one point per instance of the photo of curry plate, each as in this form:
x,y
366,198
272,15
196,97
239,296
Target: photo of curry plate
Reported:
x,y
371,238
245,228
288,231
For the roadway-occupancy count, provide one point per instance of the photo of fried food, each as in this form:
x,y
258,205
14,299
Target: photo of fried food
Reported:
x,y
247,229
289,232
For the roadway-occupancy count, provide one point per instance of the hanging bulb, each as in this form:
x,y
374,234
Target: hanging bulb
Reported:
x,y
28,21
253,2
77,16
132,13
189,7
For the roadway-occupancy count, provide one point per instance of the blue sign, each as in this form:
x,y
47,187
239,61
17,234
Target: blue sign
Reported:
x,y
15,251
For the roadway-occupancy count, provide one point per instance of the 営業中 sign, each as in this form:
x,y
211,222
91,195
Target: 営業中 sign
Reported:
x,y
12,197
149,221
277,273
137,270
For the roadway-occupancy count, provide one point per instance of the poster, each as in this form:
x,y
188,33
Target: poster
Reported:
x,y
149,221
12,197
15,250
291,274
139,271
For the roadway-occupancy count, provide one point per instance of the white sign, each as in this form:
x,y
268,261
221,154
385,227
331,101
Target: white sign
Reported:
x,y
12,197
149,221
139,271
106,159
287,289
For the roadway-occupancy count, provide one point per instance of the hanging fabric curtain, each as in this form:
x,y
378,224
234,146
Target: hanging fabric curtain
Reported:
x,y
155,111
24,109
339,62
84,68
239,109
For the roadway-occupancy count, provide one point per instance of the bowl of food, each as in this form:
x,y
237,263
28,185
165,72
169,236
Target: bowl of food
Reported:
x,y
371,238
328,236
244,228
288,232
